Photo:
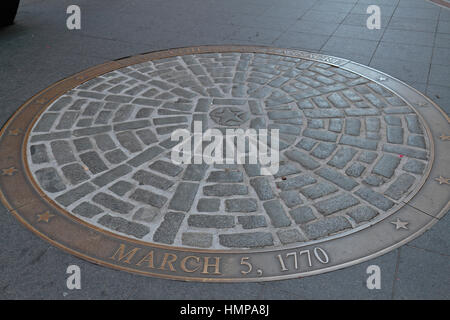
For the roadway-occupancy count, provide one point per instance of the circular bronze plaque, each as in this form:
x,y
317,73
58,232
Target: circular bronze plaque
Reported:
x,y
88,164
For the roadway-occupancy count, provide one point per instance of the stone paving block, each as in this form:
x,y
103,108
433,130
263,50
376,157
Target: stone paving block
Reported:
x,y
342,157
276,213
386,165
335,204
262,188
414,166
241,205
87,210
39,153
197,239
318,190
363,213
93,162
75,173
291,198
337,178
121,187
122,225
400,186
50,180
184,196
225,190
208,205
374,198
304,159
296,182
290,236
246,240
252,221
76,194
326,226
146,214
148,178
148,197
211,221
62,152
113,203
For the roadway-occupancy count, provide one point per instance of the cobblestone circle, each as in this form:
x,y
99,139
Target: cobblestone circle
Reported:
x,y
350,151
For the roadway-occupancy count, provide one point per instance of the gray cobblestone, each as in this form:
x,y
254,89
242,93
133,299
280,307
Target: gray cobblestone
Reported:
x,y
241,205
75,173
197,239
104,142
252,222
225,190
306,144
122,225
394,134
93,161
416,141
39,153
82,144
355,170
400,186
166,168
320,135
168,229
414,166
335,204
374,198
276,214
195,172
359,142
129,141
148,197
291,198
91,131
302,214
88,210
121,187
145,156
419,154
367,156
362,213
113,203
211,221
111,175
50,180
296,182
246,240
225,176
337,178
46,122
208,205
115,156
352,126
304,159
75,194
262,188
324,150
326,227
146,214
148,178
386,165
184,196
318,190
62,152
290,236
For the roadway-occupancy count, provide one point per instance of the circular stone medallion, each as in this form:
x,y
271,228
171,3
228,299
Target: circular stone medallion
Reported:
x,y
87,164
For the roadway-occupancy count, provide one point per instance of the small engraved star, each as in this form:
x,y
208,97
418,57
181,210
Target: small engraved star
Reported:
x,y
400,224
9,171
15,132
444,137
228,115
443,180
45,217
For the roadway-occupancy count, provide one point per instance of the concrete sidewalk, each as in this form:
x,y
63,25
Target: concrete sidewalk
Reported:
x,y
412,45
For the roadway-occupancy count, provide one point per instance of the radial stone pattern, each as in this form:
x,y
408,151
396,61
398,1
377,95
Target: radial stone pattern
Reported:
x,y
351,151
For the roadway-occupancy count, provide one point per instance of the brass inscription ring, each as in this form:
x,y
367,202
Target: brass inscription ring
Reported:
x,y
85,164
